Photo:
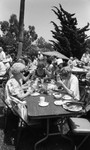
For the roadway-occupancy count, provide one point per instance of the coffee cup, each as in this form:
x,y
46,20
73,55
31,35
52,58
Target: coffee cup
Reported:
x,y
42,99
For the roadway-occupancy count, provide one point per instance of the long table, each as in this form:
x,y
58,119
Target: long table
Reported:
x,y
79,70
47,112
35,111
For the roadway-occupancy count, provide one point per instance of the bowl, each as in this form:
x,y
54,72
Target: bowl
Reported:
x,y
57,96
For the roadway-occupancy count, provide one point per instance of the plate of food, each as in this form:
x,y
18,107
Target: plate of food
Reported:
x,y
35,94
72,106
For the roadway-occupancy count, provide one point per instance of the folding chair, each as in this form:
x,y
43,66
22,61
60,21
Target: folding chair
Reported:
x,y
7,110
22,124
80,127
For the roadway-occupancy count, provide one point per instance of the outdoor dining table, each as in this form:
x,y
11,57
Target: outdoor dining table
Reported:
x,y
47,112
79,70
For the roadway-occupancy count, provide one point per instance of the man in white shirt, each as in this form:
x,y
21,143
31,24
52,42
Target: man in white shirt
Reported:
x,y
69,82
2,54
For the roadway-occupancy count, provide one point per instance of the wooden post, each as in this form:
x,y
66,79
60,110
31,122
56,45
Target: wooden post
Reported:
x,y
21,28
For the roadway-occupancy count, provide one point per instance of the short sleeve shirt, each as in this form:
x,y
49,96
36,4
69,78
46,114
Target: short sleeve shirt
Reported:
x,y
73,85
12,89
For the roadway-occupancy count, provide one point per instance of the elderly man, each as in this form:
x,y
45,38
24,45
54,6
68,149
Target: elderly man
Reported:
x,y
69,82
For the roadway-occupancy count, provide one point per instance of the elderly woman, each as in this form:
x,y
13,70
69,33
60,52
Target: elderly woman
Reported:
x,y
14,91
69,82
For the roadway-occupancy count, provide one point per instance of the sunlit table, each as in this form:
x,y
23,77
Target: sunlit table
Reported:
x,y
79,70
47,112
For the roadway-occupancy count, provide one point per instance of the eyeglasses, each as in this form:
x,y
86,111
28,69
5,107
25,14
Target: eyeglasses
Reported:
x,y
22,71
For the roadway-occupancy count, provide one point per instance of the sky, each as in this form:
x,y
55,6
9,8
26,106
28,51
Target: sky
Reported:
x,y
39,13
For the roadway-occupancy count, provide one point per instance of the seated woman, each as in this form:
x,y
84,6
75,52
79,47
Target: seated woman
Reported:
x,y
14,91
69,82
41,72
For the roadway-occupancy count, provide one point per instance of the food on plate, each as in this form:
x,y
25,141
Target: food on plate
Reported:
x,y
72,107
51,86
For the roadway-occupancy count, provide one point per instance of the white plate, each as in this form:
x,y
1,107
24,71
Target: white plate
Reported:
x,y
61,102
35,94
44,104
67,97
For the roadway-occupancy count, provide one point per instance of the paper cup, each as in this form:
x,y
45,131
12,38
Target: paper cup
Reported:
x,y
42,99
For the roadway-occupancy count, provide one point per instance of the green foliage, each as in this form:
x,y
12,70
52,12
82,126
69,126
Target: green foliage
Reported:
x,y
68,39
88,43
43,45
9,40
29,37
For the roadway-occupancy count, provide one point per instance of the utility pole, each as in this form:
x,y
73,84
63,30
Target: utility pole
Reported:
x,y
21,28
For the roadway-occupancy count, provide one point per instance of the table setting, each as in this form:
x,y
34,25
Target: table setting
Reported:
x,y
39,86
48,102
67,102
41,90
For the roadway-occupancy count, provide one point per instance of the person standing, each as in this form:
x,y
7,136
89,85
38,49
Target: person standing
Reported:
x,y
2,54
86,57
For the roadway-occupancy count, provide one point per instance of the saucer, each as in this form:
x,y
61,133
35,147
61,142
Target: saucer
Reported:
x,y
61,102
35,94
44,104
